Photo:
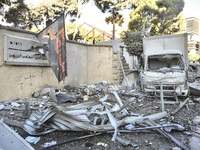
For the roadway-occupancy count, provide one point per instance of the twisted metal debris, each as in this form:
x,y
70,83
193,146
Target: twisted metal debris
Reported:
x,y
103,112
93,115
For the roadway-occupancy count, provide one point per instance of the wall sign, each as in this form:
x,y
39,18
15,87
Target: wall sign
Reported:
x,y
23,51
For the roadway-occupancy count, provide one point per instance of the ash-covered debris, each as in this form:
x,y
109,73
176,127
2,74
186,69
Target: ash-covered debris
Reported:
x,y
103,110
99,109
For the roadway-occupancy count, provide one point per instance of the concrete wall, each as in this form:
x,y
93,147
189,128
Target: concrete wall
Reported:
x,y
87,64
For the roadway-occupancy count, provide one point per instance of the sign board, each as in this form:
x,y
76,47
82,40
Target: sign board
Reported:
x,y
23,51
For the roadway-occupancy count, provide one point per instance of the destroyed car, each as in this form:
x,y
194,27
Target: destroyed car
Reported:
x,y
193,72
165,64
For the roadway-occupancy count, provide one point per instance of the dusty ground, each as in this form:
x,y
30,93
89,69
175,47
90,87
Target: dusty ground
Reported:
x,y
141,140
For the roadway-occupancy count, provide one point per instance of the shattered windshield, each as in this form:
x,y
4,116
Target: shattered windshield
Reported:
x,y
165,63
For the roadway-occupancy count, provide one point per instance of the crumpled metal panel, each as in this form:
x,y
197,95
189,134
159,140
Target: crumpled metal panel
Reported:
x,y
97,116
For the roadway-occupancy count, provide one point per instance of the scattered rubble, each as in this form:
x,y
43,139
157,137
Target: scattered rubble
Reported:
x,y
180,106
32,139
49,144
100,110
102,144
195,88
2,106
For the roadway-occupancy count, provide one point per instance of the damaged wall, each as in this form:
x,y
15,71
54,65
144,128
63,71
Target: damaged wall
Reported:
x,y
87,64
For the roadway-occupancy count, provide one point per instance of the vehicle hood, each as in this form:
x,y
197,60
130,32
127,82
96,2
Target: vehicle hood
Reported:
x,y
166,78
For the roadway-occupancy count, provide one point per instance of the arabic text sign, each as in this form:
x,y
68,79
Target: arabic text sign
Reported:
x,y
23,51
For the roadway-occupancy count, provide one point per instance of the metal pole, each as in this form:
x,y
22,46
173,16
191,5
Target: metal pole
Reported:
x,y
161,97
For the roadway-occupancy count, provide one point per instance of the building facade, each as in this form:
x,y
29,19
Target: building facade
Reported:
x,y
192,28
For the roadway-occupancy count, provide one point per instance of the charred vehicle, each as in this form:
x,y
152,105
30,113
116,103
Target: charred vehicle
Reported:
x,y
166,65
194,78
193,72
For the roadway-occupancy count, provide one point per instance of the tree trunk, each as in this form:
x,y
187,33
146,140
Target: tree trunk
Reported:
x,y
78,9
44,21
113,24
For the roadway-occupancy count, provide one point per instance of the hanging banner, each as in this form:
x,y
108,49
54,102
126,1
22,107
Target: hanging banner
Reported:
x,y
53,41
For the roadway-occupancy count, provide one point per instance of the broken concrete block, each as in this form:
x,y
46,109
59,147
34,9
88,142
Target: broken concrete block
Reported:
x,y
15,104
2,106
36,94
12,113
61,98
102,144
45,91
85,97
52,95
32,139
148,143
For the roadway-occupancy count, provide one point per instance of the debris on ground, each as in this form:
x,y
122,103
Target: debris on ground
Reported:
x,y
32,139
132,119
180,106
102,144
49,144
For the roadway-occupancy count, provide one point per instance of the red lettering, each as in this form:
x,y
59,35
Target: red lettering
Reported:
x,y
58,47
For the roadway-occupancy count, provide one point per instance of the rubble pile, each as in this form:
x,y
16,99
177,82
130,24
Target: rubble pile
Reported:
x,y
98,116
106,113
97,109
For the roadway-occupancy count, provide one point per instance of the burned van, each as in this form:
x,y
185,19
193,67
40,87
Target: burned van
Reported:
x,y
166,65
